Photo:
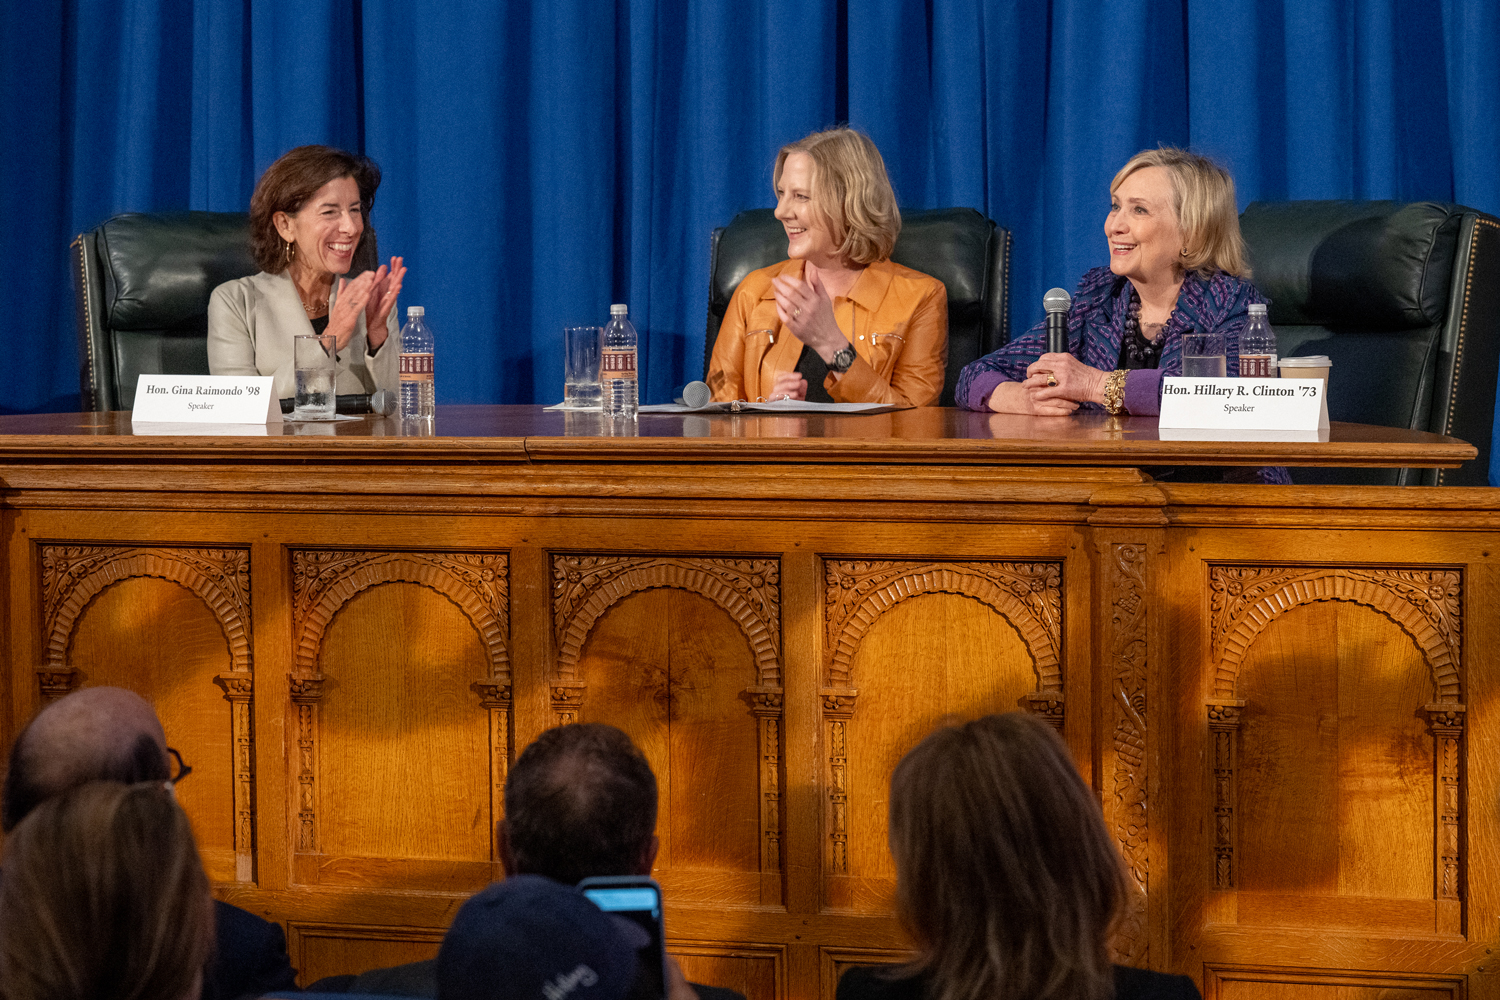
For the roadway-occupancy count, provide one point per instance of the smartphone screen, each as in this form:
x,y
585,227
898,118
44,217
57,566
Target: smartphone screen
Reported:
x,y
638,900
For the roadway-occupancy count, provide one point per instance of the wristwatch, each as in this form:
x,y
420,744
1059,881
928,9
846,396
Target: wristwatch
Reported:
x,y
842,360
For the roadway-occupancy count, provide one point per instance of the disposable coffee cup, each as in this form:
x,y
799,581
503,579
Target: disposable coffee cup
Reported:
x,y
1312,366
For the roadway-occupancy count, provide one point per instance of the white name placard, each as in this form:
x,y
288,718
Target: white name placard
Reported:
x,y
205,399
1246,409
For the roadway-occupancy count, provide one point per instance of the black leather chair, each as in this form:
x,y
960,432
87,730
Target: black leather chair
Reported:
x,y
1405,299
142,297
961,248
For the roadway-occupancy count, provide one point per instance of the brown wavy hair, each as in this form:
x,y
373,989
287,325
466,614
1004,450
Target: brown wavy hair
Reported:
x,y
104,898
851,190
1203,199
1006,876
289,182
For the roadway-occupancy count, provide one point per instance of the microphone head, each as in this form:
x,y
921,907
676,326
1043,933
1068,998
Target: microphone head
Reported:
x,y
1057,301
696,394
384,402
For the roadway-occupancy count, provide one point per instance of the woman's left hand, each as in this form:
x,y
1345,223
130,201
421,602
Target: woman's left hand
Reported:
x,y
1062,376
382,300
805,308
351,301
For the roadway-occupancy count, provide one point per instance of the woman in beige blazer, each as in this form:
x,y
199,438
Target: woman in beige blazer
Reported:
x,y
309,217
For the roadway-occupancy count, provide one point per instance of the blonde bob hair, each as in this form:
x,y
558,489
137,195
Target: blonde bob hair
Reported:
x,y
1203,200
852,192
1006,876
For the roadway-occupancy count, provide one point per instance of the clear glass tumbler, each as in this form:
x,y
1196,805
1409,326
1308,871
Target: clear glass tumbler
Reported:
x,y
581,367
317,369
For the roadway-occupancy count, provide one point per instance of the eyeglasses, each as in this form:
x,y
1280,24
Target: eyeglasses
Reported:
x,y
182,769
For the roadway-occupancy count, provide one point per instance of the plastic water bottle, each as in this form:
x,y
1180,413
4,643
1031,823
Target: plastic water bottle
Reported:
x,y
417,398
1258,346
617,371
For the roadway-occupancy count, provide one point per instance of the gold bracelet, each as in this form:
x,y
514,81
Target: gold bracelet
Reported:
x,y
1114,391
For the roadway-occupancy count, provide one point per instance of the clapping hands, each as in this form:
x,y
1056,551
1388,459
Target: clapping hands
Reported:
x,y
373,294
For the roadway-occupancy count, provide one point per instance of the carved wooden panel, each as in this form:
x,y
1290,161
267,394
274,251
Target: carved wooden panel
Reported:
x,y
907,643
1127,777
758,972
430,637
1426,603
1369,693
684,654
835,962
130,616
1249,982
319,949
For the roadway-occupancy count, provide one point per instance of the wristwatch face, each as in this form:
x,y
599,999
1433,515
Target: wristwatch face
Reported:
x,y
842,360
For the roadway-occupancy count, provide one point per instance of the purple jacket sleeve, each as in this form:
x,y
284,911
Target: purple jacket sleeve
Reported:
x,y
1143,392
1008,364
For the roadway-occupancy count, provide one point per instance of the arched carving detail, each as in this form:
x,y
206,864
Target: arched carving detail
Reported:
x,y
73,575
1028,595
324,581
748,590
1425,604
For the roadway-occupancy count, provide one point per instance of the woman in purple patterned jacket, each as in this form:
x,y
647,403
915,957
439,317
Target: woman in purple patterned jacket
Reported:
x,y
1176,264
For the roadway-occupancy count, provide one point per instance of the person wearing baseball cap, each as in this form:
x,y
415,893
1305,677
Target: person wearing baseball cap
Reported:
x,y
530,938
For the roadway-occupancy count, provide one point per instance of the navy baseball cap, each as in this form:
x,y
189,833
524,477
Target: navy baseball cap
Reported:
x,y
530,938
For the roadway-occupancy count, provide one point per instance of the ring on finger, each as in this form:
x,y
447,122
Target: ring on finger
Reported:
x,y
1051,381
796,312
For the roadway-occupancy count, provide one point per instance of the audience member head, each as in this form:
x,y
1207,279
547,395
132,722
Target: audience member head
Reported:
x,y
94,734
529,936
580,802
1006,876
286,186
851,191
1203,198
104,898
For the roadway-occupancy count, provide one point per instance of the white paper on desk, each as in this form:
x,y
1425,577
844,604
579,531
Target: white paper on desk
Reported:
x,y
780,406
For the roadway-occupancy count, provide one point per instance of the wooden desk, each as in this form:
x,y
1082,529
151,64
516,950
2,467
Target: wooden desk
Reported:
x,y
1281,693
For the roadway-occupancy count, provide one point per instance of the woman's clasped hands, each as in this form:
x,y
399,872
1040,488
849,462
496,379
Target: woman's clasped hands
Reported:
x,y
372,294
1055,384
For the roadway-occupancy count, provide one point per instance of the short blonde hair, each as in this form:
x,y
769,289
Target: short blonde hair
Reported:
x,y
852,192
1203,199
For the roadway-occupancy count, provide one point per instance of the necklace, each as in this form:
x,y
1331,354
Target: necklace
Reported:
x,y
1135,350
313,310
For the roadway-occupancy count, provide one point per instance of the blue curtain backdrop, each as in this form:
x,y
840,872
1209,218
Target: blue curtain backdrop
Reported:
x,y
543,160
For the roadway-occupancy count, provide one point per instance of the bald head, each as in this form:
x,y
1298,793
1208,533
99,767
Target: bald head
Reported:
x,y
96,734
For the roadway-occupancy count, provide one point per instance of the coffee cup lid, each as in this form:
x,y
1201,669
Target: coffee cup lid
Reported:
x,y
1311,361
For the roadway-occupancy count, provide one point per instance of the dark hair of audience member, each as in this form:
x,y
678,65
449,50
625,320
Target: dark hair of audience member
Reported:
x,y
1007,878
23,793
104,898
580,802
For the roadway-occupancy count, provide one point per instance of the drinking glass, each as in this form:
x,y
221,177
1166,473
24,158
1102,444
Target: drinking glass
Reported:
x,y
1203,355
581,367
317,367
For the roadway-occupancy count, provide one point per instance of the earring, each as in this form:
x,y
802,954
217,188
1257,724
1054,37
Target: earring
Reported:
x,y
1184,251
288,251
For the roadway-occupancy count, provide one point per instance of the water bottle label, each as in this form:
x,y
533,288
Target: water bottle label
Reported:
x,y
616,363
1258,366
416,367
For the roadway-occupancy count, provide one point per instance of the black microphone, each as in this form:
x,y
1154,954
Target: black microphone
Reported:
x,y
381,401
1057,302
